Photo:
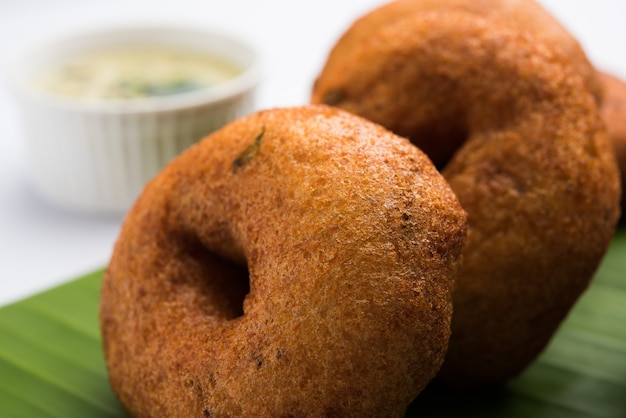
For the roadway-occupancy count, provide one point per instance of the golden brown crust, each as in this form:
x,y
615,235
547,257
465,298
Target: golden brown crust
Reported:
x,y
527,154
613,111
528,15
352,240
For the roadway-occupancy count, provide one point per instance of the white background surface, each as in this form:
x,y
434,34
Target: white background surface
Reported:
x,y
41,246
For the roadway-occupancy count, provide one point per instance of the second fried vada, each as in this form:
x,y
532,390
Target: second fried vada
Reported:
x,y
520,140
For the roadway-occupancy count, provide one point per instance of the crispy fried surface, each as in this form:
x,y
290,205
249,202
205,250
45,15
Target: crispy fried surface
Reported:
x,y
351,240
613,111
520,140
528,15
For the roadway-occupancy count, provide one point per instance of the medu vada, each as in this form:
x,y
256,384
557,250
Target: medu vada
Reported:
x,y
297,262
519,138
613,112
527,14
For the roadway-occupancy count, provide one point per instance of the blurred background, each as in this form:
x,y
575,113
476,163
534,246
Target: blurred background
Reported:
x,y
42,245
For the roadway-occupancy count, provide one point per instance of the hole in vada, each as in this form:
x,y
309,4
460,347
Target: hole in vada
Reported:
x,y
439,142
221,283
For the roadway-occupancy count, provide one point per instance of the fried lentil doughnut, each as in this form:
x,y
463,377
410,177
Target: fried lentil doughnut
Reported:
x,y
530,163
528,14
613,111
351,239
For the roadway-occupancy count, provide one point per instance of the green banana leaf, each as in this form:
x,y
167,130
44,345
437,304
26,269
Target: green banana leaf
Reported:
x,y
51,361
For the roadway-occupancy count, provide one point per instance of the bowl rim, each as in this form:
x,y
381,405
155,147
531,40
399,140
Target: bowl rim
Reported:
x,y
21,70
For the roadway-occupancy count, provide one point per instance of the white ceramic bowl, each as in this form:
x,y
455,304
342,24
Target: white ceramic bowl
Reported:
x,y
96,157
